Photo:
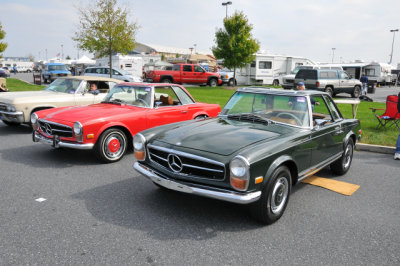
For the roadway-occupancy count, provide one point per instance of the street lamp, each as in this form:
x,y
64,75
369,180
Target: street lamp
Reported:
x,y
391,54
62,52
333,53
195,45
226,4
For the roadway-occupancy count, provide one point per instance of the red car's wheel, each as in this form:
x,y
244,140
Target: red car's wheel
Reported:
x,y
111,145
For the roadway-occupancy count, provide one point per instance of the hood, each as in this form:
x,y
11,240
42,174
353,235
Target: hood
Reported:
x,y
101,111
28,96
220,136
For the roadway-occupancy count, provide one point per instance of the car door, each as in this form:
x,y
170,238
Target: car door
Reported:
x,y
199,74
82,96
327,133
168,108
345,81
187,74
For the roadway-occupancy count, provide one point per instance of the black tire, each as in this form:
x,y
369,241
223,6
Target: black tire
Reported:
x,y
356,92
213,83
275,82
111,146
342,165
329,90
11,124
199,117
231,82
166,80
274,198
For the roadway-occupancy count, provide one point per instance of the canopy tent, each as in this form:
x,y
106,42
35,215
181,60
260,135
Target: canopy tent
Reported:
x,y
84,60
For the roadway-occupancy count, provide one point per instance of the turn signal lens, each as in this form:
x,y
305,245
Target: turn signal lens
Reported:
x,y
90,136
140,155
238,184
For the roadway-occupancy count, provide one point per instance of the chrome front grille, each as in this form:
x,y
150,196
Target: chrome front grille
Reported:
x,y
186,164
3,107
51,129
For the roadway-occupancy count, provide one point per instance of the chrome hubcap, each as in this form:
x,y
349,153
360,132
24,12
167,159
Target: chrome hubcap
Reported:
x,y
347,156
279,195
114,146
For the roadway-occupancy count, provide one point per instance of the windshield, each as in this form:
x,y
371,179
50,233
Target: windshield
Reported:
x,y
131,95
64,85
58,67
292,110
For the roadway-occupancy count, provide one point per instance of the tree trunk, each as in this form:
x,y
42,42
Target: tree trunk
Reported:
x,y
234,76
110,58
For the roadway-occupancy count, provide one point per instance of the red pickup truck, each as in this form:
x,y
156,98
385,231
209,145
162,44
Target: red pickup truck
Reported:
x,y
184,73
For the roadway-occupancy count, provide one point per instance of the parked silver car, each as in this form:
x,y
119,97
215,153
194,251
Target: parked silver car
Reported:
x,y
329,80
118,73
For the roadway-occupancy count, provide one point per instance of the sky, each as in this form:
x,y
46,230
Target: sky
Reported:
x,y
357,29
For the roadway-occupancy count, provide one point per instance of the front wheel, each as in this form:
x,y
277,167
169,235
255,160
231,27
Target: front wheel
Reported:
x,y
274,198
213,83
342,165
275,83
356,92
111,145
231,82
166,80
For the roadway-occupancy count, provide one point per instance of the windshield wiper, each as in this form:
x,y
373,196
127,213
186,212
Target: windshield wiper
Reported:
x,y
250,117
115,101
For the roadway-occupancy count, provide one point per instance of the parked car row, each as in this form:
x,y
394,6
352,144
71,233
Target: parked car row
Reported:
x,y
252,152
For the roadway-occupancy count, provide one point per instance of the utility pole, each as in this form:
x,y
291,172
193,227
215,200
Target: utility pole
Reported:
x,y
333,54
391,54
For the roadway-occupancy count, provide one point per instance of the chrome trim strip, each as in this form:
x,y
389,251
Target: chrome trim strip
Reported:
x,y
12,113
314,169
203,168
234,197
40,138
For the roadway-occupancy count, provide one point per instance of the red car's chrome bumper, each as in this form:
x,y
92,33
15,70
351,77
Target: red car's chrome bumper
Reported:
x,y
57,143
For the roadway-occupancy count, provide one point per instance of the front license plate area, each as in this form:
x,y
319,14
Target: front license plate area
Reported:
x,y
56,140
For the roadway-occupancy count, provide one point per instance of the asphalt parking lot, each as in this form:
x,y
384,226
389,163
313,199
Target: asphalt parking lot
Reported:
x,y
102,214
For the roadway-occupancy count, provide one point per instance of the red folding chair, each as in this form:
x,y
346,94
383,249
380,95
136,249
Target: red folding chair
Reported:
x,y
391,116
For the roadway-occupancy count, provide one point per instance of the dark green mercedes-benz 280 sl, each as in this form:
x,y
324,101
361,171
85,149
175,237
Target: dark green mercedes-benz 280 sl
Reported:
x,y
262,143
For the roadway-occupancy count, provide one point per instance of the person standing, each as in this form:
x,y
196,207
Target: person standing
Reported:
x,y
397,151
364,81
15,69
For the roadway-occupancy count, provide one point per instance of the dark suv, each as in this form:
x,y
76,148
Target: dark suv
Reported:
x,y
330,81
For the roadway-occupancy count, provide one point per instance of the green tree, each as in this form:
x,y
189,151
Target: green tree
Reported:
x,y
234,43
104,29
162,57
68,57
3,45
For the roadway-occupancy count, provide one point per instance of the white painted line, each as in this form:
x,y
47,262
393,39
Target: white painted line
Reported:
x,y
40,199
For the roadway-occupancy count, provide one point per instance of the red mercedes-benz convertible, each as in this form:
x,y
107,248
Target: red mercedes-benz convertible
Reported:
x,y
108,127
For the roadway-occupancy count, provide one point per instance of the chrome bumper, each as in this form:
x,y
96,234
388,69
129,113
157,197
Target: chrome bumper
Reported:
x,y
17,117
57,143
209,192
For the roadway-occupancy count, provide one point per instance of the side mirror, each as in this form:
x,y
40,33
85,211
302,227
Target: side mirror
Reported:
x,y
157,103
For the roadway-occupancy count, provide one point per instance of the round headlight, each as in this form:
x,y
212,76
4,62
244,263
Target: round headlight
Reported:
x,y
77,128
239,173
10,108
34,118
138,142
238,167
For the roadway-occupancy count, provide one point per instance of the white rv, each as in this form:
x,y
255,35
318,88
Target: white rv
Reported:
x,y
269,69
130,63
381,73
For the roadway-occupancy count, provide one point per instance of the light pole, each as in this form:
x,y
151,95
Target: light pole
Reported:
x,y
391,54
195,45
226,5
62,52
333,53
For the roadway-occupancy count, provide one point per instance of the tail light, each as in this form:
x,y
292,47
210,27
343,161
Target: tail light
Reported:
x,y
317,84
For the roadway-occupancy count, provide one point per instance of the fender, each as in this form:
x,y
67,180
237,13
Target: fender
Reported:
x,y
275,164
346,139
212,77
200,113
109,125
166,76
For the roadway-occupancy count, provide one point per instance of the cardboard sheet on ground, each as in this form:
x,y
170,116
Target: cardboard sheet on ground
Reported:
x,y
331,184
